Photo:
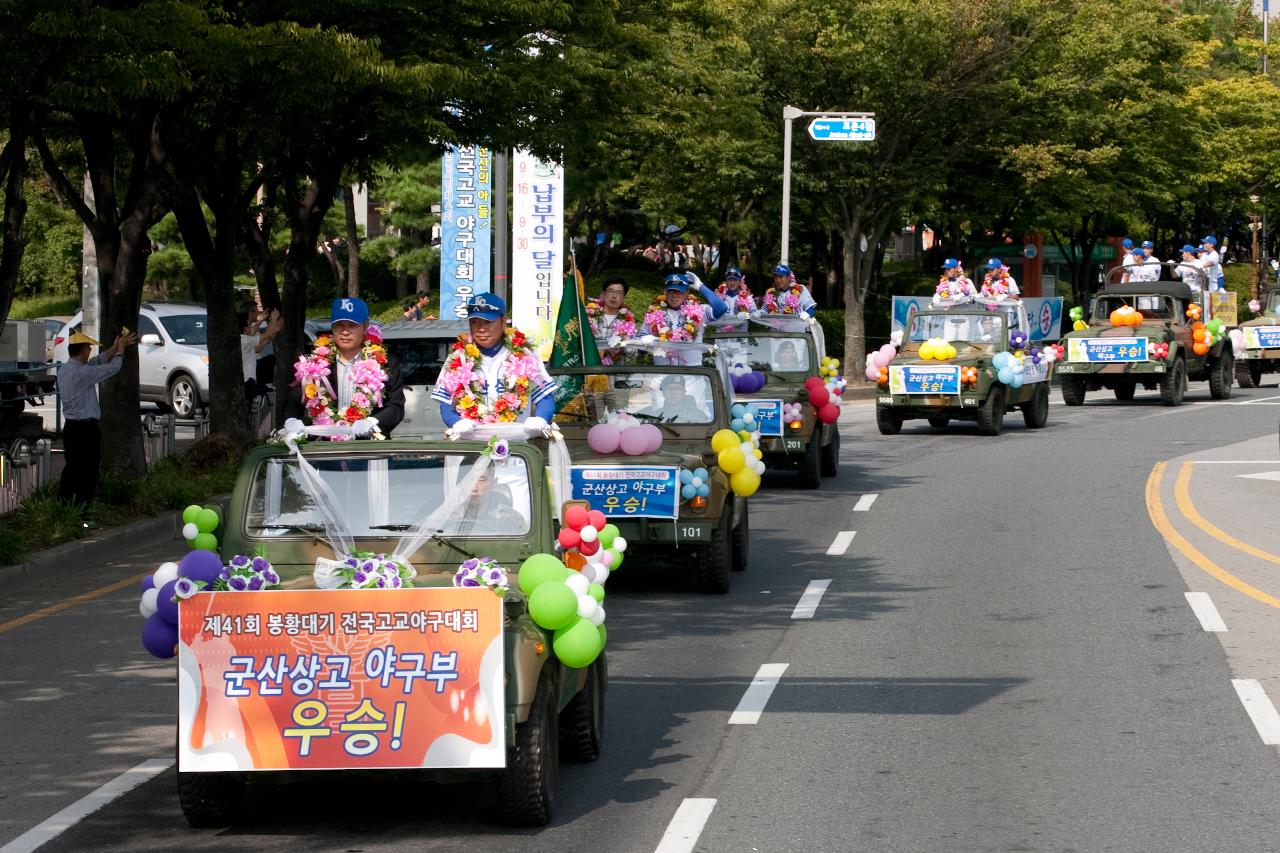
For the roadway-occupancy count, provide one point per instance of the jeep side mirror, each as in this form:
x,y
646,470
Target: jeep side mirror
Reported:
x,y
151,340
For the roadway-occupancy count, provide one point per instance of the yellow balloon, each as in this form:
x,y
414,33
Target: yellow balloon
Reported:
x,y
743,435
744,483
724,439
1079,324
756,452
926,349
732,461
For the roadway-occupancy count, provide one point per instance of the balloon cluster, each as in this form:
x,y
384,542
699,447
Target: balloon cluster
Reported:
x,y
829,370
1077,318
160,594
695,483
878,363
1159,351
198,524
793,413
738,456
742,418
626,433
825,401
745,380
589,541
937,349
1255,306
1053,352
1193,312
1237,342
1126,315
1017,339
1205,335
969,376
1009,369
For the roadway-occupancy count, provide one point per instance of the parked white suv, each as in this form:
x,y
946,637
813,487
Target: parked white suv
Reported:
x,y
173,354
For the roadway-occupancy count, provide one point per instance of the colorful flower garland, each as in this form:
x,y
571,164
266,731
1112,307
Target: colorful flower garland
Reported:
x,y
624,323
790,303
659,325
315,373
998,284
743,301
466,386
959,287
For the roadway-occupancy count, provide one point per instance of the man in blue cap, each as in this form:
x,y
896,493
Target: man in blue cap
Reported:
x,y
503,358
735,293
1189,269
784,285
350,318
1212,263
1127,260
1148,265
675,294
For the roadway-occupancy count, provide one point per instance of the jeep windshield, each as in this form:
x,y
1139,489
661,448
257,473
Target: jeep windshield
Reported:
x,y
1153,306
774,353
973,329
669,398
384,495
1273,304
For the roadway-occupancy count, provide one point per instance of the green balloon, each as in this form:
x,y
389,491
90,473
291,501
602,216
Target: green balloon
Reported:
x,y
207,521
596,591
607,534
539,569
553,605
579,644
205,541
191,513
617,560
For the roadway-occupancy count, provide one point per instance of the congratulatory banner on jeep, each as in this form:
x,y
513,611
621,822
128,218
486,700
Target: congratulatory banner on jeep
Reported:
x,y
338,679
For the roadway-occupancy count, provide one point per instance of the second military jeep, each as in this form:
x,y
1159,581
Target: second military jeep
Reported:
x,y
680,388
966,386
1261,343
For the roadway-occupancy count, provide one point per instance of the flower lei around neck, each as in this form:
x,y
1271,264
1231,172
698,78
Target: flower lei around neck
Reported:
x,y
465,383
315,373
789,304
743,300
959,287
998,284
623,326
658,323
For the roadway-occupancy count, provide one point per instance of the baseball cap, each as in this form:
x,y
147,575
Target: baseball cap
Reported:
x,y
1187,247
1127,243
1147,244
994,264
782,269
676,281
733,272
349,308
950,264
486,306
1211,240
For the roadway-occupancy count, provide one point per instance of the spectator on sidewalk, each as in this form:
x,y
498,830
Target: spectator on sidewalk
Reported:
x,y
252,343
82,435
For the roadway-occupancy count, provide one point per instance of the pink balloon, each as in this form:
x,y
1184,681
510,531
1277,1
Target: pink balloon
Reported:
x,y
604,438
873,373
819,396
887,352
829,414
634,441
655,437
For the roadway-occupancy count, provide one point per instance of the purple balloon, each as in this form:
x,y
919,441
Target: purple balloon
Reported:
x,y
757,381
634,441
148,582
159,637
604,438
654,436
200,565
166,607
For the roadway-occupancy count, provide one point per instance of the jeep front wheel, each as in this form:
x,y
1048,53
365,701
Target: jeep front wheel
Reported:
x,y
991,413
582,721
810,468
888,422
1035,414
742,538
1221,375
715,560
1248,375
1173,385
526,786
1073,390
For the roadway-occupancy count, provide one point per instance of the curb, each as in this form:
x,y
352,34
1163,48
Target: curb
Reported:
x,y
145,531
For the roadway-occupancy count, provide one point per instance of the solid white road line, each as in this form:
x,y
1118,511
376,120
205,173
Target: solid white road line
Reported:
x,y
757,696
1202,605
864,503
1233,461
812,597
86,805
1260,710
841,543
683,831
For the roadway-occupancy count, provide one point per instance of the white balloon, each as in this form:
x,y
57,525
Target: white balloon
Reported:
x,y
589,571
597,618
167,572
190,531
147,606
577,583
602,574
587,606
759,466
695,482
619,544
588,533
748,418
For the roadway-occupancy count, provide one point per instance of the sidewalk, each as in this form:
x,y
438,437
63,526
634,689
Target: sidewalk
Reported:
x,y
101,546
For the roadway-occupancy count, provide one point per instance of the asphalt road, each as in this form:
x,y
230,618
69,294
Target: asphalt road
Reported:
x,y
1005,658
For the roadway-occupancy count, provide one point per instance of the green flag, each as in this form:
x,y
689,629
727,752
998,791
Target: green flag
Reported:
x,y
574,344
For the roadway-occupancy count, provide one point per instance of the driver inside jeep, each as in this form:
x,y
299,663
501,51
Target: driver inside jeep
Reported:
x,y
677,406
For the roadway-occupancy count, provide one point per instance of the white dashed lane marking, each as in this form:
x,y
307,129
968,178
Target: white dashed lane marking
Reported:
x,y
841,543
757,696
810,600
686,827
1258,705
864,503
1202,605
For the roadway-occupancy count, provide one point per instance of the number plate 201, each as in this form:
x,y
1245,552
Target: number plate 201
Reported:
x,y
793,444
692,531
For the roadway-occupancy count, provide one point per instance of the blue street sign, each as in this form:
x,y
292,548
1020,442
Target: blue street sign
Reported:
x,y
843,129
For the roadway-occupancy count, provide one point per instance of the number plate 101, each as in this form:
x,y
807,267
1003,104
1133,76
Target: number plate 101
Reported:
x,y
692,531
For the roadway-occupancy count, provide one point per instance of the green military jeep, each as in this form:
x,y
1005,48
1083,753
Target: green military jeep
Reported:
x,y
1261,338
1159,352
966,386
681,389
383,491
787,350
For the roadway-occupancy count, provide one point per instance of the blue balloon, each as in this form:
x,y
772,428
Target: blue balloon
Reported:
x,y
704,490
1005,375
736,424
738,410
702,474
1017,381
1001,361
686,476
688,490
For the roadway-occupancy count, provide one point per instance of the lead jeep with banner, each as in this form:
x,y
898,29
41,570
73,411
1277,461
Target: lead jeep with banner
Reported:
x,y
426,680
1150,334
1260,339
951,364
681,392
785,350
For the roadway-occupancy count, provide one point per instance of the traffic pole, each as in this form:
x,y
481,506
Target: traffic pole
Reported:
x,y
789,114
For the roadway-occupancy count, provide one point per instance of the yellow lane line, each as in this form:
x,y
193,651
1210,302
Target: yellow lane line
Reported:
x,y
37,615
1155,509
1182,493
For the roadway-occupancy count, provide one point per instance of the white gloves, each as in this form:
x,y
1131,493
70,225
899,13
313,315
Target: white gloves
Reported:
x,y
694,281
462,427
365,427
535,425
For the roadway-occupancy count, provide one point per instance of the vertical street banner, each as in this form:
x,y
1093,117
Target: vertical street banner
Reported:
x,y
537,259
466,225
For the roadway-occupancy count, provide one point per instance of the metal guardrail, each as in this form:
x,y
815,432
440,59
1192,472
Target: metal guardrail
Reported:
x,y
23,469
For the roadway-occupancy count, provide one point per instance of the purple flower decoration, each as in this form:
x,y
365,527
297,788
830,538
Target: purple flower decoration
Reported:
x,y
224,574
184,588
255,581
501,450
473,563
260,563
359,578
352,562
239,561
396,583
270,576
237,583
382,582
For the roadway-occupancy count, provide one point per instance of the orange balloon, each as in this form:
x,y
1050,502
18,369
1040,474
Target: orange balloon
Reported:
x,y
1200,347
1198,335
1135,318
1197,325
1116,318
574,560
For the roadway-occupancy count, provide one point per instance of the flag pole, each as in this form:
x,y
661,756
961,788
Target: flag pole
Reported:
x,y
577,285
